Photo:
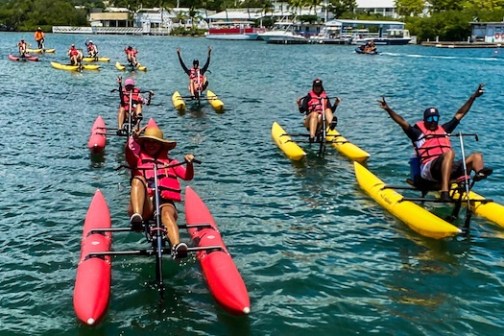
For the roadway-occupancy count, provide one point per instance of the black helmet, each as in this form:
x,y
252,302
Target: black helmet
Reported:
x,y
317,83
195,62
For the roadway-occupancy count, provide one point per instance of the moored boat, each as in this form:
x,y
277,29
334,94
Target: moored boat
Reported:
x,y
284,33
70,67
215,102
92,282
98,138
348,149
233,30
95,59
223,278
413,215
286,144
178,102
333,32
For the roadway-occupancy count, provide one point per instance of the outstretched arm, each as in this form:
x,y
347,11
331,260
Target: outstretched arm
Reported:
x,y
186,70
396,117
467,106
207,63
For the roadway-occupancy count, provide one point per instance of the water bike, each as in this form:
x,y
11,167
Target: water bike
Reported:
x,y
26,57
323,136
71,67
93,279
130,67
98,137
95,59
179,102
420,219
41,51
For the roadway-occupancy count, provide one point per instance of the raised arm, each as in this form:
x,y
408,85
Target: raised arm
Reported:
x,y
186,70
467,106
396,117
207,63
121,93
335,105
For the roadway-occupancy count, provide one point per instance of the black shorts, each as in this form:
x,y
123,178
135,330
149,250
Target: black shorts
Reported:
x,y
435,169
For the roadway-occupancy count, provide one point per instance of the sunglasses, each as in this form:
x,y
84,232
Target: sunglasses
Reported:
x,y
433,118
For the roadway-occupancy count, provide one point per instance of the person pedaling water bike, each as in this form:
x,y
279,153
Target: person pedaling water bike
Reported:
x,y
22,46
197,79
92,49
75,55
131,55
146,147
39,37
137,102
432,145
313,105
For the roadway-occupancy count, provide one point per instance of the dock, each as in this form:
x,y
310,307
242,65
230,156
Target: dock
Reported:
x,y
455,45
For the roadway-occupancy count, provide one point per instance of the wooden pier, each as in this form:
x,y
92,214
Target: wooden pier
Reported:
x,y
455,45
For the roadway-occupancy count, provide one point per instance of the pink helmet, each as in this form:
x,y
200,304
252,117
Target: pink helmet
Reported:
x,y
129,81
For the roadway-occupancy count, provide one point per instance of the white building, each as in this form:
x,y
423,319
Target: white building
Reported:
x,y
383,7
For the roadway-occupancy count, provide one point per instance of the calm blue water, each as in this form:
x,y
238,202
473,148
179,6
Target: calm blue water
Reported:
x,y
317,255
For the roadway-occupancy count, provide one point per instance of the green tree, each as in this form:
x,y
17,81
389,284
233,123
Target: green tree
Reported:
x,y
342,8
483,4
27,15
409,7
445,5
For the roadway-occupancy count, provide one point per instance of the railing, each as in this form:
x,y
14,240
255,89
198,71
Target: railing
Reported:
x,y
100,30
72,30
118,30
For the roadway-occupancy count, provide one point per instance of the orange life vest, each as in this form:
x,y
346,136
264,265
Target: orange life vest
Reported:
x,y
135,97
167,177
39,35
431,144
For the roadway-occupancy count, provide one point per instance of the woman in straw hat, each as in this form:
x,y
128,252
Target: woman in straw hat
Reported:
x,y
152,146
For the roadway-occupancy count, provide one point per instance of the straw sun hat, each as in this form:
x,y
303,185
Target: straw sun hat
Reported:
x,y
155,134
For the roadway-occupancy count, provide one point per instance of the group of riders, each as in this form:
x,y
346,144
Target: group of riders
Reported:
x,y
369,47
434,155
146,147
23,45
76,55
430,139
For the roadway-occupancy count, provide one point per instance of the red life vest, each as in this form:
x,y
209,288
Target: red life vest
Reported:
x,y
73,52
431,144
167,177
91,47
197,77
135,97
317,102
